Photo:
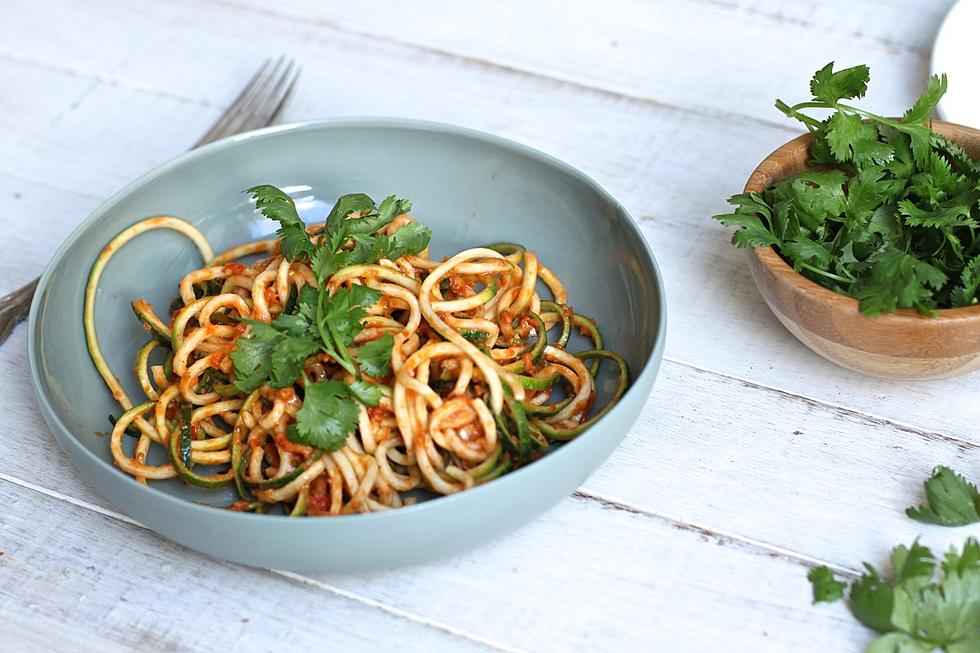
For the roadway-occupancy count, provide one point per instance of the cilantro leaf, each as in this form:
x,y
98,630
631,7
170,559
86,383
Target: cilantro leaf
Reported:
x,y
368,248
956,212
366,392
328,416
912,565
958,563
347,204
804,250
895,280
915,613
252,356
952,500
866,192
344,311
288,356
825,587
898,643
374,356
852,139
925,106
389,209
943,613
276,205
849,83
752,231
410,238
871,599
273,353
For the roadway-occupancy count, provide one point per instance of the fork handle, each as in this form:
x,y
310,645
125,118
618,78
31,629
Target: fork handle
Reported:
x,y
15,307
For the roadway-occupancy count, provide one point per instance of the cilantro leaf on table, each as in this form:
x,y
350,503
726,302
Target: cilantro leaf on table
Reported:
x,y
328,415
826,588
889,211
871,599
951,500
956,562
912,565
915,611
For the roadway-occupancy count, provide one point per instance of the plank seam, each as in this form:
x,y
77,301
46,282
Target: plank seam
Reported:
x,y
877,420
342,593
718,535
96,76
510,67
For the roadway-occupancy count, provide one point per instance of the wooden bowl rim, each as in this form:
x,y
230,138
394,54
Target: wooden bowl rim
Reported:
x,y
761,178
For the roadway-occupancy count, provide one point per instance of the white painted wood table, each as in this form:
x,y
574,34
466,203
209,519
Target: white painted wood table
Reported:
x,y
753,459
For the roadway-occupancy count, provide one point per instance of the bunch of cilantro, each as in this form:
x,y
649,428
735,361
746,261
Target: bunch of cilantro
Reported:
x,y
913,610
888,212
318,322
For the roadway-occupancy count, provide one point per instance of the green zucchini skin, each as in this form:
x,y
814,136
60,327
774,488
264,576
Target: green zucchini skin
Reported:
x,y
153,324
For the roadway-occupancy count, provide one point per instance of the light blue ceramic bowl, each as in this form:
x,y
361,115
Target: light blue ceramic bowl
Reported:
x,y
472,189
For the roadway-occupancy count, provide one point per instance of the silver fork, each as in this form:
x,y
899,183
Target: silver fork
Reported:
x,y
259,104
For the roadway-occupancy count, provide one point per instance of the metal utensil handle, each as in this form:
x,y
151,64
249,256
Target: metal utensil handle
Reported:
x,y
15,307
259,104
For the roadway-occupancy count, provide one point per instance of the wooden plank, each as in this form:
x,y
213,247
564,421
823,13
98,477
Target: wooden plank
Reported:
x,y
72,579
623,47
729,464
896,24
670,51
37,219
662,163
621,579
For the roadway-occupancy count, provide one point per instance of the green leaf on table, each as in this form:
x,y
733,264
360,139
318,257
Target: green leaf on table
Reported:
x,y
951,500
826,588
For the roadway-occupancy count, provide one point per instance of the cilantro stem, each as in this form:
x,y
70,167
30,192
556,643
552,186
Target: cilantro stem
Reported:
x,y
829,275
811,123
793,112
328,343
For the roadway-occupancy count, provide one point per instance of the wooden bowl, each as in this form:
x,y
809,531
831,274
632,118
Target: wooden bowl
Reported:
x,y
901,345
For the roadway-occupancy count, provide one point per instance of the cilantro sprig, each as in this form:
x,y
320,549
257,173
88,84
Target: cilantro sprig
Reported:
x,y
320,322
888,213
924,604
951,500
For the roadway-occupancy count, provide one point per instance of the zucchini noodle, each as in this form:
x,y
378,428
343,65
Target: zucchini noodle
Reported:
x,y
481,379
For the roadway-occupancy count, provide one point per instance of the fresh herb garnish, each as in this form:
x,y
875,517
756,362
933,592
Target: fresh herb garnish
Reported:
x,y
328,415
913,611
826,588
892,222
952,500
318,321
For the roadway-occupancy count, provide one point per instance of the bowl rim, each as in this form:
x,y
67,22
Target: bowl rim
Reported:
x,y
761,178
643,379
